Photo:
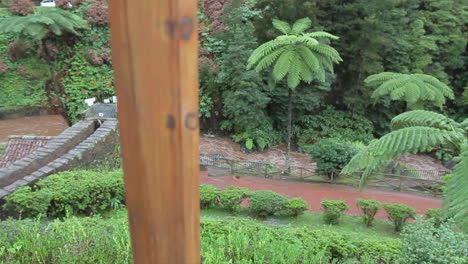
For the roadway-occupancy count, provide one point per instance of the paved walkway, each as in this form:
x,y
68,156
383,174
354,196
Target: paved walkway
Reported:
x,y
314,193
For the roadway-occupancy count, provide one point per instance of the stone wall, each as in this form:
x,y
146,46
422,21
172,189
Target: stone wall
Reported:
x,y
55,148
91,149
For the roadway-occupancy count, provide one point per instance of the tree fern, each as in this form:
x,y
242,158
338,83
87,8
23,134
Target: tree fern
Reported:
x,y
416,89
37,26
413,132
296,55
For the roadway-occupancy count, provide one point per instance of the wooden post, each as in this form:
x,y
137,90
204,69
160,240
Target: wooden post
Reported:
x,y
154,50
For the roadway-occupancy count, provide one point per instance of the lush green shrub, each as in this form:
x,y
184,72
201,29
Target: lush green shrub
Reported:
x,y
436,215
232,197
333,209
74,192
267,203
296,206
399,213
209,195
332,123
422,242
223,240
369,208
331,155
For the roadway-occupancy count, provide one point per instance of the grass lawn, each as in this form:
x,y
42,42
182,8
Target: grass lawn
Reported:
x,y
349,224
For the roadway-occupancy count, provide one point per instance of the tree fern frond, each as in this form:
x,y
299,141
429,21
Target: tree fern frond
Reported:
x,y
294,77
456,195
37,25
321,34
301,25
282,26
269,59
282,65
415,89
295,54
327,51
426,119
394,144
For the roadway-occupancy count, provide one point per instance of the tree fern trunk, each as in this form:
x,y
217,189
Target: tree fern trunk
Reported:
x,y
289,127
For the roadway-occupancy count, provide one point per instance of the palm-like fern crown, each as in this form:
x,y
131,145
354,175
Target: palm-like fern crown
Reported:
x,y
296,54
38,25
415,89
413,131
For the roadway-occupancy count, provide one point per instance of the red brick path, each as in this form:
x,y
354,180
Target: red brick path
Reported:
x,y
314,193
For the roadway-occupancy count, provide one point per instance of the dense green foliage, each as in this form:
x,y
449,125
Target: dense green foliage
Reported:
x,y
209,195
399,213
71,192
267,203
436,215
422,242
228,240
331,155
333,209
332,123
410,36
369,209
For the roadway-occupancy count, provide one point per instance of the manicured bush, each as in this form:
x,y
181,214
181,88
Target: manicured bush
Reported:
x,y
422,242
232,197
369,208
296,206
399,213
209,196
267,203
72,192
436,215
331,155
333,209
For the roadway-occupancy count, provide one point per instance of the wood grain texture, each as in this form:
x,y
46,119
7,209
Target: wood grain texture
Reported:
x,y
154,51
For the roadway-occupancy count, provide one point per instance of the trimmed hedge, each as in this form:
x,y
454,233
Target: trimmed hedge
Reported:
x,y
369,209
296,206
231,198
267,203
333,209
399,213
209,196
71,192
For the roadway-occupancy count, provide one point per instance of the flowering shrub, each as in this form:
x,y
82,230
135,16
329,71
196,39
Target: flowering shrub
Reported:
x,y
98,13
22,7
97,59
214,9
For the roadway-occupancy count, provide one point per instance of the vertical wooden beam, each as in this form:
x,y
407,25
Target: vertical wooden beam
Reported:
x,y
154,51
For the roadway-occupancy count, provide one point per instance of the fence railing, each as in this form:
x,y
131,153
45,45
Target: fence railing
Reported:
x,y
399,179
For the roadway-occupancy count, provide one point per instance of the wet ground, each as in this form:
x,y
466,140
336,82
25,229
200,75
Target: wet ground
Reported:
x,y
47,125
315,193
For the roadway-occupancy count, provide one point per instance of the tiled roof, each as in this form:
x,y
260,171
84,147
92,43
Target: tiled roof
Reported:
x,y
19,147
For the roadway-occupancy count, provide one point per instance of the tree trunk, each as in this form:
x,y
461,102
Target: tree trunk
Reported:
x,y
289,127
